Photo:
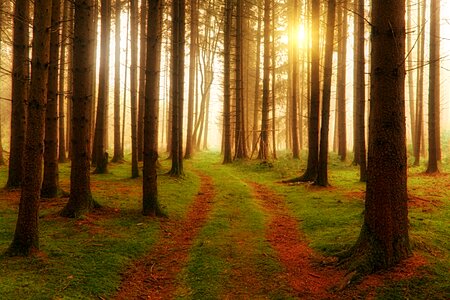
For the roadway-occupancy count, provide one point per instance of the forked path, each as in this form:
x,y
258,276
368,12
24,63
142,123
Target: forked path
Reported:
x,y
153,277
307,280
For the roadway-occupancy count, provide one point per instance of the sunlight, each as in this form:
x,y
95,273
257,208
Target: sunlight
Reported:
x,y
301,35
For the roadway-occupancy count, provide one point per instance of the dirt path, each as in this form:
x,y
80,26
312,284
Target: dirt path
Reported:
x,y
307,279
153,276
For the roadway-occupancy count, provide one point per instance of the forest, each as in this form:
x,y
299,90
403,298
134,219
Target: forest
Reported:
x,y
224,149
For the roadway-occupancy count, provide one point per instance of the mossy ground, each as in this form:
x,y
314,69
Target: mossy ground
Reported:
x,y
84,258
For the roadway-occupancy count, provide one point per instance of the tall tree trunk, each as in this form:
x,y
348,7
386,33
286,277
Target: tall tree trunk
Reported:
x,y
62,158
19,92
361,94
434,93
150,204
81,200
274,142
192,71
356,87
4,8
295,88
133,87
142,64
95,88
177,85
410,74
257,82
50,183
239,139
70,80
341,82
322,174
264,139
99,153
383,240
26,236
418,145
118,154
313,118
227,95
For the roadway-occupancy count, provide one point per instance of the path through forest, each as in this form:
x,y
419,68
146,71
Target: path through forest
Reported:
x,y
239,245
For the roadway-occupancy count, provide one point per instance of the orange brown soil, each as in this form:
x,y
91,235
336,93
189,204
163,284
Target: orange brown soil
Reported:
x,y
308,280
310,275
153,276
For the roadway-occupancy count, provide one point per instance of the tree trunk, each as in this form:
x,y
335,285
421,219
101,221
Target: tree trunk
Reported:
x,y
100,155
341,82
295,88
322,174
19,92
383,240
192,71
239,139
410,74
274,142
67,6
418,145
81,200
264,138
177,85
313,118
4,8
361,94
26,236
227,71
150,204
118,154
70,80
257,82
133,87
356,87
50,183
142,64
434,92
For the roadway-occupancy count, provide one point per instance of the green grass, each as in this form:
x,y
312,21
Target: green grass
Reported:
x,y
331,218
232,239
84,258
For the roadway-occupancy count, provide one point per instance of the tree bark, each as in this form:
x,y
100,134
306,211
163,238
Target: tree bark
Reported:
x,y
418,145
50,183
142,64
67,6
81,200
26,235
239,138
384,240
433,92
264,138
361,94
20,82
313,118
177,85
133,88
341,82
192,72
118,154
150,204
295,88
257,82
100,155
322,174
227,158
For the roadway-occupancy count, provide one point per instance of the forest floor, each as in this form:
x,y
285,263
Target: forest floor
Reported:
x,y
232,232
